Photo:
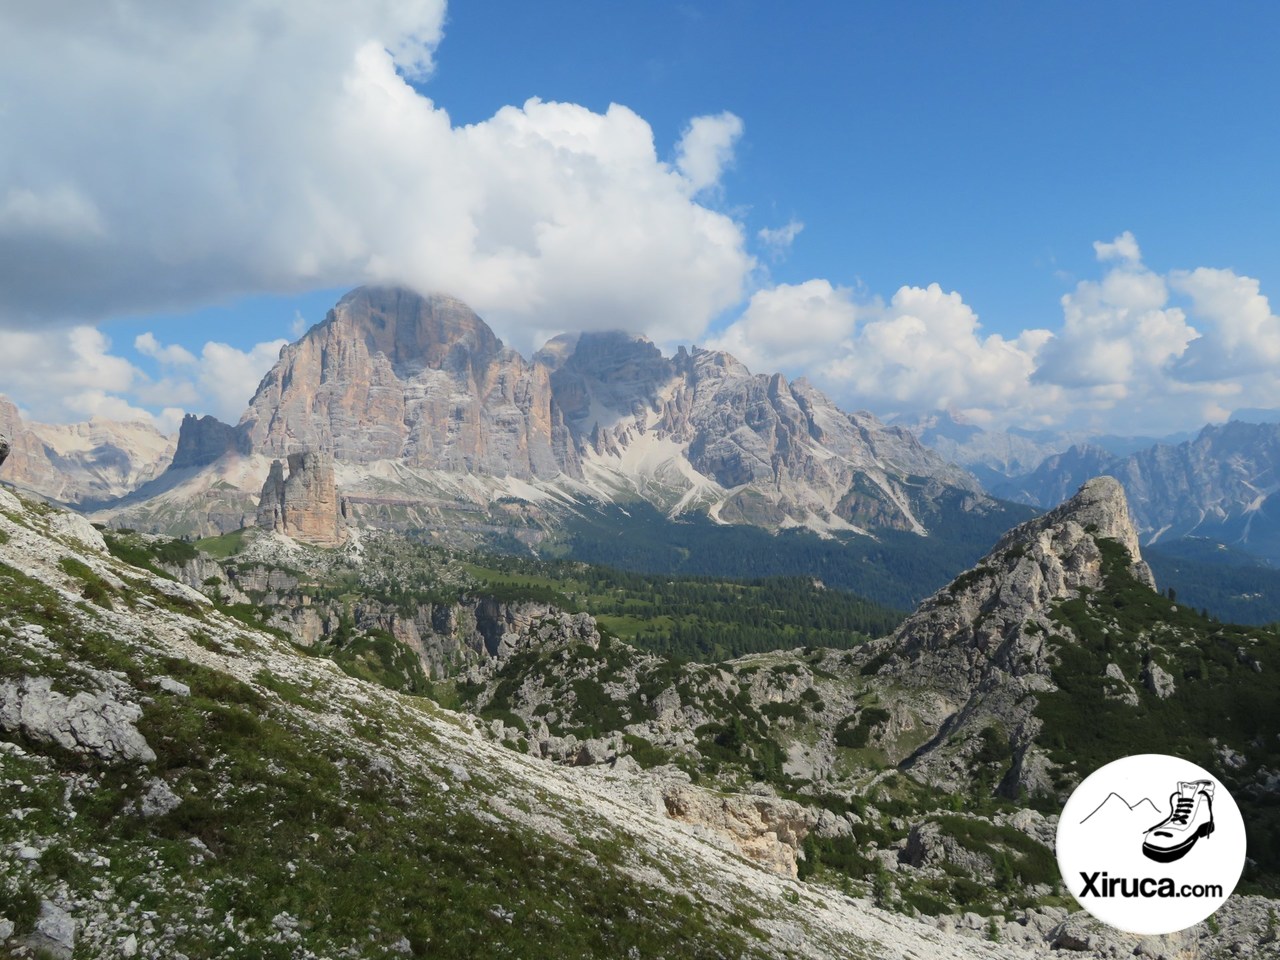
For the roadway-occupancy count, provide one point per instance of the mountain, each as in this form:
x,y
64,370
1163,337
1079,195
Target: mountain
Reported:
x,y
184,757
997,457
182,783
82,464
432,423
1221,485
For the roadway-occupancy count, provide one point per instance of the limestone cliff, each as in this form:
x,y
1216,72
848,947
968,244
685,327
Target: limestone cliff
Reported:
x,y
390,375
81,463
303,504
202,440
982,646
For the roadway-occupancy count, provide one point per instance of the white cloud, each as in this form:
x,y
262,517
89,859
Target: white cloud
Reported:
x,y
777,240
229,377
66,374
1124,358
1123,248
706,149
1241,334
219,382
921,351
791,327
158,156
147,345
1119,330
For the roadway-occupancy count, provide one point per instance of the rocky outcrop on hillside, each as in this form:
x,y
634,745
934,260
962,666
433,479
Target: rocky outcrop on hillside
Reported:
x,y
304,503
269,765
983,642
4,449
88,722
81,463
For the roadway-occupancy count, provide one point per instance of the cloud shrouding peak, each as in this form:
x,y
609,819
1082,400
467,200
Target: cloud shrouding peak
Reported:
x,y
206,151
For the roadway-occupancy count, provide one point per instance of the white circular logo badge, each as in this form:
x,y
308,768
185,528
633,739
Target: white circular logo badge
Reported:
x,y
1151,844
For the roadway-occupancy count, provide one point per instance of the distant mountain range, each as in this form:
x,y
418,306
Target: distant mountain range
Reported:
x,y
81,464
997,457
1222,485
433,423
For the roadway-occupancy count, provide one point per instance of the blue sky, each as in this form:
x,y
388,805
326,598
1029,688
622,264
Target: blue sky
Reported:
x,y
1120,156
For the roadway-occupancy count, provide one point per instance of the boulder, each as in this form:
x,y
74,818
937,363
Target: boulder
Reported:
x,y
86,722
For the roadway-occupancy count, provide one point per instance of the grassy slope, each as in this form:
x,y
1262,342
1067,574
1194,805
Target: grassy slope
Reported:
x,y
322,814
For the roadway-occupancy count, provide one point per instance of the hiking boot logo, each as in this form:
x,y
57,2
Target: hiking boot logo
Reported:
x,y
1190,818
1127,858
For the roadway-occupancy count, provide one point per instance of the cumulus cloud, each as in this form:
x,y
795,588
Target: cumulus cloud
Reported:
x,y
67,374
1118,330
1124,357
706,148
219,382
70,374
147,345
1241,334
1123,248
203,151
920,351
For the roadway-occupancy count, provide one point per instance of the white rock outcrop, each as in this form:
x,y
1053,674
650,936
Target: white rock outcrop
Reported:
x,y
86,722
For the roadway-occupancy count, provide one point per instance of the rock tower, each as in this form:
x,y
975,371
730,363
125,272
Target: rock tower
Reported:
x,y
303,504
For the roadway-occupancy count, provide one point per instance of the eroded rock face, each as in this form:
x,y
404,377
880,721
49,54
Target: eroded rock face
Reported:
x,y
80,463
702,417
86,723
202,440
390,375
981,618
983,641
423,382
304,504
765,829
4,449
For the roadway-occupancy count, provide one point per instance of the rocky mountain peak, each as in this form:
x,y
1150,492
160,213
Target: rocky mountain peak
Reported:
x,y
985,643
394,375
1098,509
414,331
987,609
202,440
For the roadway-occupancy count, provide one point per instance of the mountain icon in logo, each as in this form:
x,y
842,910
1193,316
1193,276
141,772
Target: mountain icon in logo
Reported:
x,y
1116,809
